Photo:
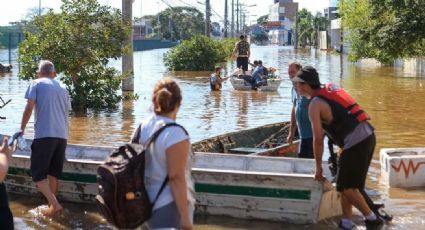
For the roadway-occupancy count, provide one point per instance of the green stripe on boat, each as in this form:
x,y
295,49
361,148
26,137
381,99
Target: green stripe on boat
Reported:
x,y
203,188
252,191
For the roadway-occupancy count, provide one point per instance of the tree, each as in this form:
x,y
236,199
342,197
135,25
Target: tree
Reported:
x,y
305,27
384,30
199,53
180,23
80,41
263,19
320,23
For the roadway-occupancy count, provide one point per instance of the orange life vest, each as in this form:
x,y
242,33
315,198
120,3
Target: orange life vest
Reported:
x,y
346,113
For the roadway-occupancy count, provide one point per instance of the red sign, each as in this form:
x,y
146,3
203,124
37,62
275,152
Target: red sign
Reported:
x,y
272,24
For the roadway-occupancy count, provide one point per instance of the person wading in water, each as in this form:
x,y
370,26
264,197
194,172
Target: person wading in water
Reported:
x,y
242,53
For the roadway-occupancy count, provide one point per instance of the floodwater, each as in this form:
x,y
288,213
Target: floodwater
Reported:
x,y
393,97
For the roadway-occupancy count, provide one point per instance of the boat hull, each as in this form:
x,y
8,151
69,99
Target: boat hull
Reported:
x,y
266,140
240,84
240,186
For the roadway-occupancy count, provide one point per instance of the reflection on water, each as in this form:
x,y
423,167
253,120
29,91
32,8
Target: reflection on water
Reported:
x,y
392,97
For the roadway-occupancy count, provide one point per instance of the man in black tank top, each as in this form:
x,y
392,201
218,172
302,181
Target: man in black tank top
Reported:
x,y
6,217
242,53
328,112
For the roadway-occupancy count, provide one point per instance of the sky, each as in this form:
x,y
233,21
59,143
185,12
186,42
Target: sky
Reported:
x,y
17,9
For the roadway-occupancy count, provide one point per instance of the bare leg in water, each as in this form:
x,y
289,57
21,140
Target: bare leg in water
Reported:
x,y
49,190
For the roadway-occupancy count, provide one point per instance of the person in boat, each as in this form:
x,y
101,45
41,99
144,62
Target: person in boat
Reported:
x,y
6,217
258,75
253,65
299,117
334,112
51,102
170,155
216,79
242,53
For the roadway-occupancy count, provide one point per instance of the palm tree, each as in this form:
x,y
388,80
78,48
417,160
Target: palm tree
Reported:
x,y
305,27
320,23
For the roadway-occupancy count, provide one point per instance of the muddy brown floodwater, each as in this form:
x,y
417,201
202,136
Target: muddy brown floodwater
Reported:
x,y
393,97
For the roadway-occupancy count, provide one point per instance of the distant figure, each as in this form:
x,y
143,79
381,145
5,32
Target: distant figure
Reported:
x,y
216,79
6,217
51,102
299,117
169,156
242,53
254,64
257,75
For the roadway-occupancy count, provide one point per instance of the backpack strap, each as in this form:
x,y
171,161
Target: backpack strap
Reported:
x,y
152,139
136,137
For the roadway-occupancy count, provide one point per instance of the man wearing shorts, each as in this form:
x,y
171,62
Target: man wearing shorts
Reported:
x,y
299,118
51,102
242,52
334,112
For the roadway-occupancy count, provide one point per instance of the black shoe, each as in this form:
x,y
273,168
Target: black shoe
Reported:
x,y
373,224
340,226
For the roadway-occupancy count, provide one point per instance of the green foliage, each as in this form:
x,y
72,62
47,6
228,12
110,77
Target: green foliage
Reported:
x,y
263,19
384,30
305,27
309,27
79,41
184,22
199,53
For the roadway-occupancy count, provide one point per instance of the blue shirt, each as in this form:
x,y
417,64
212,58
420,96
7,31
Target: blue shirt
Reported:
x,y
51,108
301,114
257,72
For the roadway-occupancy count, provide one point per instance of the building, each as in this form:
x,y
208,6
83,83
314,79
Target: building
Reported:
x,y
282,19
142,28
335,27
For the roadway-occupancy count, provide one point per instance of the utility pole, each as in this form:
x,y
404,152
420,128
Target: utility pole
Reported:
x,y
225,19
127,59
296,31
232,26
243,23
207,18
237,16
39,7
341,47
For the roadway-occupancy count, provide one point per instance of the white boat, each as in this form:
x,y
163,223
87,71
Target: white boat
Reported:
x,y
249,187
238,83
241,84
403,167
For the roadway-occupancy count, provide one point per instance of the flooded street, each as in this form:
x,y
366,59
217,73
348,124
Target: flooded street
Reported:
x,y
393,97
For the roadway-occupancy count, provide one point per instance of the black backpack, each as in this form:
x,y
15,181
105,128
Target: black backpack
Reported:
x,y
123,199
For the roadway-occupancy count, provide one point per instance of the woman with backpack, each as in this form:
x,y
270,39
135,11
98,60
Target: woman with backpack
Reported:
x,y
169,156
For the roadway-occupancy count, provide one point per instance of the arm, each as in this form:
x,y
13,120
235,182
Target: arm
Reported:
x,y
292,127
235,50
5,152
27,114
314,112
177,156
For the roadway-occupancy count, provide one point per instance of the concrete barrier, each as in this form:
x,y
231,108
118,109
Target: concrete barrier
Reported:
x,y
403,167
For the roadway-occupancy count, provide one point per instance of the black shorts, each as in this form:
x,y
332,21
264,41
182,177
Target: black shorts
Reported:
x,y
47,157
306,148
354,163
242,61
